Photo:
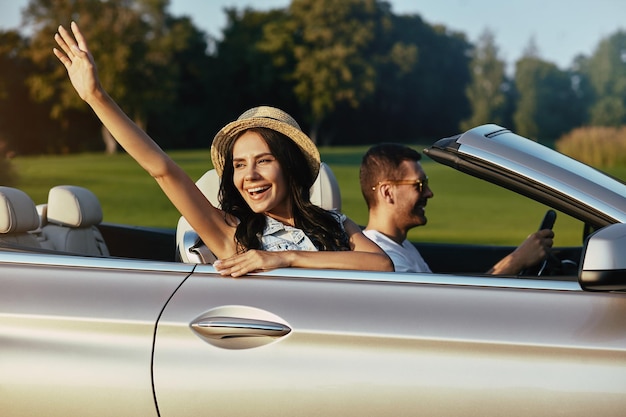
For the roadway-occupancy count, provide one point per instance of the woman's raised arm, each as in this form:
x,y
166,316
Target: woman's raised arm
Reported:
x,y
208,221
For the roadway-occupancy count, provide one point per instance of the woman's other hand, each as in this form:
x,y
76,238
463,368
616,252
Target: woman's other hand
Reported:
x,y
252,261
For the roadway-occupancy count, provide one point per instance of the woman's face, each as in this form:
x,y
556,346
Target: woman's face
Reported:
x,y
259,177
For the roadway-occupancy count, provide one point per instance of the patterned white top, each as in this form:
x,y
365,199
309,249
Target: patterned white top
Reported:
x,y
277,236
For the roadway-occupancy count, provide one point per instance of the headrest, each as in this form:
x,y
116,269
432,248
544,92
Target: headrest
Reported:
x,y
42,211
209,184
17,211
325,190
73,206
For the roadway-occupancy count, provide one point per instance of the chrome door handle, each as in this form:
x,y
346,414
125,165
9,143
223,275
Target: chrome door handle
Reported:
x,y
231,327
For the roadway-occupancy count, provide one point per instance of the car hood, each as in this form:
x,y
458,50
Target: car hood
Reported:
x,y
497,155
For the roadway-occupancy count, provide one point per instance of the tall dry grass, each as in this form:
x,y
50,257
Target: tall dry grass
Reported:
x,y
595,146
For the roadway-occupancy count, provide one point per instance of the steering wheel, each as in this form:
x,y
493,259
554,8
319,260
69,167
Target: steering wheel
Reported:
x,y
551,262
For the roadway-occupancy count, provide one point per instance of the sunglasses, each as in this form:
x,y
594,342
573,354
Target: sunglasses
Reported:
x,y
418,184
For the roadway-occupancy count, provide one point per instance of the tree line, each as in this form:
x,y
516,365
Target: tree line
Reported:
x,y
351,72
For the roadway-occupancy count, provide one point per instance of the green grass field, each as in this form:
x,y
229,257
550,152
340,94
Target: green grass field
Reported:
x,y
464,209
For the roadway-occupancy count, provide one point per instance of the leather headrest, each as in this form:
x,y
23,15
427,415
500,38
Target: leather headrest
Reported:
x,y
73,206
17,211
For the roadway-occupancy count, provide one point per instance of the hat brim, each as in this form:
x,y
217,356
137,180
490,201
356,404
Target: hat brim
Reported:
x,y
224,138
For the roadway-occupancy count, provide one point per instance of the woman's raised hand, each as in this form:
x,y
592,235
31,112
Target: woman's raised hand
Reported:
x,y
78,61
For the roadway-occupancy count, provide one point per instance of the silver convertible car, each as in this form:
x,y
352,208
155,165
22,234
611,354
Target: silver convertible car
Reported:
x,y
101,319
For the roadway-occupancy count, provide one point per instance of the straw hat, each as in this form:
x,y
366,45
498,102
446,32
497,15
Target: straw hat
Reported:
x,y
271,118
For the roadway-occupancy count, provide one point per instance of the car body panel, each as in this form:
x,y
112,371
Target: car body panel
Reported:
x,y
137,333
76,333
395,344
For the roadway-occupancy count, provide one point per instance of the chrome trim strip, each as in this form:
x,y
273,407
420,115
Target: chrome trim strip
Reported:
x,y
290,273
399,277
91,262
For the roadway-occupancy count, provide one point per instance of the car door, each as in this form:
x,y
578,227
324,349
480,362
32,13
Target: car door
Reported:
x,y
76,333
347,343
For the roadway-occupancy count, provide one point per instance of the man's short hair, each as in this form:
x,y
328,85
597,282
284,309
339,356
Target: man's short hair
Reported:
x,y
382,162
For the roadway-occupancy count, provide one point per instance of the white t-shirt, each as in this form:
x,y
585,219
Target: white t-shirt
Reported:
x,y
405,257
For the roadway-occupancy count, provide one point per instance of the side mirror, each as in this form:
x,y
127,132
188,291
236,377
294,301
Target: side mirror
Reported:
x,y
603,264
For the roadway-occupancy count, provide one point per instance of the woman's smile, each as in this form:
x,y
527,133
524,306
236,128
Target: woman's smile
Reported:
x,y
258,192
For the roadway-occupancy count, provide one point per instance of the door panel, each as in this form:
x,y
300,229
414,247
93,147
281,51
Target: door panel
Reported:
x,y
390,348
77,340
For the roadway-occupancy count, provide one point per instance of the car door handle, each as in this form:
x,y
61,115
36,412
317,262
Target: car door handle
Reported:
x,y
232,327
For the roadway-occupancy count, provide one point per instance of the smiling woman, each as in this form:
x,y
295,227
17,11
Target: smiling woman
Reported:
x,y
264,192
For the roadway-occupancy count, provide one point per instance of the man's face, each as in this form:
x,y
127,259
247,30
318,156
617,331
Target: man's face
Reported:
x,y
410,200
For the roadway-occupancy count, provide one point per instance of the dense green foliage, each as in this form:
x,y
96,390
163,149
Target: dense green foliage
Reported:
x,y
351,72
486,92
463,210
547,104
607,74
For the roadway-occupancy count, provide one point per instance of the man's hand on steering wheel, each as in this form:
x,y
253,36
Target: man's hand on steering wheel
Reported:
x,y
538,255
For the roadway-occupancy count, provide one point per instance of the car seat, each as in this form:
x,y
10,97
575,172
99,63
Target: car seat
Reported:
x,y
73,214
18,217
190,248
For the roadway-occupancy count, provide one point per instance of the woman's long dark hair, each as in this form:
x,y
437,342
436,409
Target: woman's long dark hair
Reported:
x,y
321,226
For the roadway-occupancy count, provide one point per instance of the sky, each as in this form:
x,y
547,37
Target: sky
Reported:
x,y
562,29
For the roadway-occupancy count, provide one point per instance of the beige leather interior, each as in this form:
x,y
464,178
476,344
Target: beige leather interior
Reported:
x,y
73,214
18,217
